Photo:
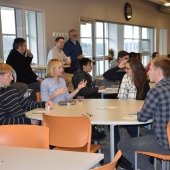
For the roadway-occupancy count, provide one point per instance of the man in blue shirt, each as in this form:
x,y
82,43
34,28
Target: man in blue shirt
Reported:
x,y
73,49
156,107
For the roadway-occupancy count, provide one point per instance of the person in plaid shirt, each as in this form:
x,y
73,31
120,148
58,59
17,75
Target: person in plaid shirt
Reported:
x,y
156,107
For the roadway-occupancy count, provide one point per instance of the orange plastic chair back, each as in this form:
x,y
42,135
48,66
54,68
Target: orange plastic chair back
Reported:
x,y
69,132
31,136
112,165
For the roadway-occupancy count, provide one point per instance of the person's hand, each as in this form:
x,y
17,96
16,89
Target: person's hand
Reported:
x,y
82,84
122,64
39,79
28,52
61,91
101,87
49,105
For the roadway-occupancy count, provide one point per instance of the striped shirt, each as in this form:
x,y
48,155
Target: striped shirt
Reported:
x,y
13,107
157,107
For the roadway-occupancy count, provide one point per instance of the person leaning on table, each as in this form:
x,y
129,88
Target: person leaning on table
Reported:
x,y
156,107
12,104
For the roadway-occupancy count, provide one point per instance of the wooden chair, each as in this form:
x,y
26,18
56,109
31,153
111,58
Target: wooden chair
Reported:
x,y
70,133
30,136
112,165
162,157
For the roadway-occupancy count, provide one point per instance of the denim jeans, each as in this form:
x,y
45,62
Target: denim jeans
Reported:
x,y
145,143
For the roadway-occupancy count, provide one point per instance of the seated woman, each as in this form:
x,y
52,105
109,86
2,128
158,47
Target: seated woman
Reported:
x,y
53,87
90,91
134,85
12,104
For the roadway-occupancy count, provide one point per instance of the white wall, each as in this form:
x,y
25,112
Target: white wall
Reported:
x,y
62,15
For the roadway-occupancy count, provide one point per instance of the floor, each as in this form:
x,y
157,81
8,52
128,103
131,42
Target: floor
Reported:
x,y
105,145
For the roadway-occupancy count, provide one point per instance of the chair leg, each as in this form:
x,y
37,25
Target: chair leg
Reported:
x,y
136,161
155,163
163,165
167,165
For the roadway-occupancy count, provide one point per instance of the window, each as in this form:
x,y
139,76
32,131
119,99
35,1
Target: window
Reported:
x,y
23,23
139,39
97,37
8,29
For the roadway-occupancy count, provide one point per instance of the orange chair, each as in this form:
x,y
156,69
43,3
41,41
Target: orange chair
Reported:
x,y
162,157
112,165
70,133
31,136
38,96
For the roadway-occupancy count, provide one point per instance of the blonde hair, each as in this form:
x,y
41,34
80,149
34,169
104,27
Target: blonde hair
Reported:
x,y
163,63
52,64
5,68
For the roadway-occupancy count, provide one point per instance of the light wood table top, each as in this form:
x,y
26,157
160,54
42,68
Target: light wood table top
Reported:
x,y
16,158
103,111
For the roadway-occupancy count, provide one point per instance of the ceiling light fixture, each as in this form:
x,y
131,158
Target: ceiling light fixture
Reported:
x,y
167,4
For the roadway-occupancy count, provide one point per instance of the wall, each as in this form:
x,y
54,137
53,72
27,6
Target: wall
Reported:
x,y
65,14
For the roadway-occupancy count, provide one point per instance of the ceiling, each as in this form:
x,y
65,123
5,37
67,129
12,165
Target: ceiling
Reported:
x,y
161,4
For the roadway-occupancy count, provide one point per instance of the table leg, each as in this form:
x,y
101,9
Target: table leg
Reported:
x,y
112,142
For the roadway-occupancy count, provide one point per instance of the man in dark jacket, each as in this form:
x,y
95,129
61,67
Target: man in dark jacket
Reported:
x,y
90,91
20,59
73,49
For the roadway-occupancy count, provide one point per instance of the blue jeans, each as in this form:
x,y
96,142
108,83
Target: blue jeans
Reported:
x,y
145,143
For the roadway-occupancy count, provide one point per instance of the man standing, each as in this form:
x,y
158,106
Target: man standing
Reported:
x,y
156,107
20,59
57,53
73,49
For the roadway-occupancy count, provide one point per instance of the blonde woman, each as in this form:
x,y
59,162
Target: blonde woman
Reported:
x,y
54,88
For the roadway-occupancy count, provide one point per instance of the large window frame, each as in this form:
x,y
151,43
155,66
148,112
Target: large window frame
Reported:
x,y
112,36
30,25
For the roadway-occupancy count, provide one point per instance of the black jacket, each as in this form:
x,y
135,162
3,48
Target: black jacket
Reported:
x,y
90,90
22,66
114,74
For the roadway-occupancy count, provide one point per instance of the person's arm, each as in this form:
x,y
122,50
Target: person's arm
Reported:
x,y
86,91
44,91
149,107
80,86
114,74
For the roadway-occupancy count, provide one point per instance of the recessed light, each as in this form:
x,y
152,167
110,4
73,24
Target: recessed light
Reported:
x,y
167,4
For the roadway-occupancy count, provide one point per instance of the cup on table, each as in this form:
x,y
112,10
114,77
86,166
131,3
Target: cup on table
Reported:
x,y
68,60
80,98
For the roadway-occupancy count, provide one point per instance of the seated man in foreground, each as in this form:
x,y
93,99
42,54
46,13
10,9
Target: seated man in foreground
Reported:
x,y
12,104
156,107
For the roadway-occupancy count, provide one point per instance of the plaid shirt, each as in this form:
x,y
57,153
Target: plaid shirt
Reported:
x,y
157,107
